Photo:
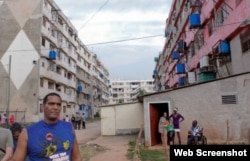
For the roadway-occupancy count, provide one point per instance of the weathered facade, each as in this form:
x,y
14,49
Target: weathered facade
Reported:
x,y
121,119
220,106
205,40
40,52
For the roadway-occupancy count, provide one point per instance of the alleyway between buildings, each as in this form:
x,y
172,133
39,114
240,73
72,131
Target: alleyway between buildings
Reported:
x,y
104,148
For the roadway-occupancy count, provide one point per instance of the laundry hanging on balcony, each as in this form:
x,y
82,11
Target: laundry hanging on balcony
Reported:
x,y
181,46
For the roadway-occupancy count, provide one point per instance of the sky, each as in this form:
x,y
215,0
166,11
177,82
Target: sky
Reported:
x,y
126,35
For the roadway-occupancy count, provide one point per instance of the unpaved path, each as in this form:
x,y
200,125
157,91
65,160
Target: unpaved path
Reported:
x,y
116,146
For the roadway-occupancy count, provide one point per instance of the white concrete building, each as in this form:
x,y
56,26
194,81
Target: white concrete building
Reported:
x,y
126,91
40,52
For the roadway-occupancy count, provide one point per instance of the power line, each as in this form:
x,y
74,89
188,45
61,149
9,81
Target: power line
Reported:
x,y
93,15
117,41
109,42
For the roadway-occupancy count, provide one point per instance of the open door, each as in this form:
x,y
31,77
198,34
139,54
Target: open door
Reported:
x,y
156,111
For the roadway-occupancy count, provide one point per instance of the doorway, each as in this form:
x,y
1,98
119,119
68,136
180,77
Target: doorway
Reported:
x,y
156,110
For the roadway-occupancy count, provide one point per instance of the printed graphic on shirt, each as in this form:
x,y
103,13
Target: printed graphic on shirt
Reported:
x,y
50,146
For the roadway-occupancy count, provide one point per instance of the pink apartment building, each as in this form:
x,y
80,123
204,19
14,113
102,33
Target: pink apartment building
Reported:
x,y
204,70
205,40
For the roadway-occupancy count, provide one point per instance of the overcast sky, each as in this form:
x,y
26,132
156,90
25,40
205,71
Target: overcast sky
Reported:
x,y
101,22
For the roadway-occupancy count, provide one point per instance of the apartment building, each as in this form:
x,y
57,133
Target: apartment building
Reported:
x,y
40,52
123,91
205,40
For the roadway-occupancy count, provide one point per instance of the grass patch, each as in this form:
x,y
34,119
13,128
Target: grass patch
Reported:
x,y
90,150
130,152
152,155
146,154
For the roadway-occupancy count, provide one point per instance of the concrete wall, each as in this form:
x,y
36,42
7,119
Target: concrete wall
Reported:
x,y
203,102
240,62
20,48
121,119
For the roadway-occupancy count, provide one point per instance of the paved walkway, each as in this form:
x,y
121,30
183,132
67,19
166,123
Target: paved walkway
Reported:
x,y
117,145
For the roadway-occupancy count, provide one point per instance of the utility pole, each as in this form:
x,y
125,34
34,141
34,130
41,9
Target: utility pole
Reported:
x,y
8,97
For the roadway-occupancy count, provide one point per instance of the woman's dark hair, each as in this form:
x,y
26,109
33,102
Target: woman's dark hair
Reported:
x,y
16,127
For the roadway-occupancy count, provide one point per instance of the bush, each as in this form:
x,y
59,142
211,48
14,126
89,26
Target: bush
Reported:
x,y
97,114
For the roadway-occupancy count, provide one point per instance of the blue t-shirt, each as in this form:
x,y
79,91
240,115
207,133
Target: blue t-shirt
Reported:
x,y
50,142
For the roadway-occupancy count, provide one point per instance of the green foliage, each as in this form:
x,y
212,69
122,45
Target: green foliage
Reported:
x,y
130,152
146,154
142,92
97,114
152,155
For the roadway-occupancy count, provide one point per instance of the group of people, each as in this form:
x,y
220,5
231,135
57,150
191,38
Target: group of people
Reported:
x,y
4,120
170,126
48,139
78,121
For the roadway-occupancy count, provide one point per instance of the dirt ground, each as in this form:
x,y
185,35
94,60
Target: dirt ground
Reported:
x,y
95,147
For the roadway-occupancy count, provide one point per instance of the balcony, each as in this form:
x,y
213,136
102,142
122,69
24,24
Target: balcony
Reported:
x,y
56,77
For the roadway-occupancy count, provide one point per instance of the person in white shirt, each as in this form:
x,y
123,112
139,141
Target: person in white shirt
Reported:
x,y
83,121
194,133
67,118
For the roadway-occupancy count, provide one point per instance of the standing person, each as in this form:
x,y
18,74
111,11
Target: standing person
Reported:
x,y
16,128
177,118
170,132
6,144
83,121
4,120
73,121
78,120
50,138
12,119
67,118
161,127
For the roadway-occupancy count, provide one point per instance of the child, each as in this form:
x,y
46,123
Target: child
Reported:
x,y
170,132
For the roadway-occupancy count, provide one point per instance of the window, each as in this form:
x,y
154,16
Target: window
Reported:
x,y
50,85
58,87
192,49
41,109
221,15
64,109
58,70
210,28
44,21
70,31
41,82
52,66
54,14
60,20
43,41
245,41
43,64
